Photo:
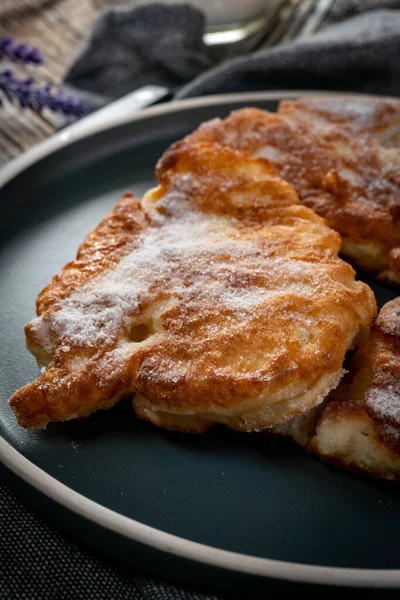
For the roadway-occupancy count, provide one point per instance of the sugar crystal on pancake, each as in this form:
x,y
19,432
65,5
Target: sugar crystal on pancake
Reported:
x,y
373,116
346,177
218,299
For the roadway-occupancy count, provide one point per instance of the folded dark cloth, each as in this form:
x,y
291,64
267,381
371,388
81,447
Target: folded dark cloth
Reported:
x,y
344,9
359,55
163,45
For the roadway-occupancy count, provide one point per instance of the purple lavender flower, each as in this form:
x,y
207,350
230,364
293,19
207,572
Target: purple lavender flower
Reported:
x,y
16,52
30,95
25,91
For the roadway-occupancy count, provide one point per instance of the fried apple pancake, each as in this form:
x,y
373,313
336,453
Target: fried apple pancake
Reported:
x,y
218,299
377,117
360,428
353,183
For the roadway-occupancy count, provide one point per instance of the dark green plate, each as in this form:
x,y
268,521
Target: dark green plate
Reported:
x,y
222,509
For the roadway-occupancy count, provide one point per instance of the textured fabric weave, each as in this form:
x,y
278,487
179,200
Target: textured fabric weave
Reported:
x,y
359,55
38,562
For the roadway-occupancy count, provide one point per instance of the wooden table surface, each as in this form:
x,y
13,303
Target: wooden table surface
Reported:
x,y
57,27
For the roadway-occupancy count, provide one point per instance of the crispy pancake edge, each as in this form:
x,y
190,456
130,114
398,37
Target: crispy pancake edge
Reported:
x,y
356,430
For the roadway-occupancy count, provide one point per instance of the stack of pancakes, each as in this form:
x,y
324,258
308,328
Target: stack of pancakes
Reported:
x,y
221,297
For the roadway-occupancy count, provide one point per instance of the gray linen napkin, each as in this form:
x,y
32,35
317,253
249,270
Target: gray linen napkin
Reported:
x,y
359,55
132,47
163,45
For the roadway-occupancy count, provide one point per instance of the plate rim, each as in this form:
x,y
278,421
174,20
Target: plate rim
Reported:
x,y
81,130
126,526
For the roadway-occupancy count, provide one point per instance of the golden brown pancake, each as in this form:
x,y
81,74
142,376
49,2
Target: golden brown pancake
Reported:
x,y
360,428
377,117
353,183
219,299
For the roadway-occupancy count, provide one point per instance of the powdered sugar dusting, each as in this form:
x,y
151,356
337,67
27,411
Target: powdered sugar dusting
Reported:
x,y
385,403
391,433
199,261
270,153
360,111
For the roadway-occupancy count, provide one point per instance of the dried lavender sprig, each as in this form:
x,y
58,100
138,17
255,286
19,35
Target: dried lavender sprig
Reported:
x,y
16,52
28,94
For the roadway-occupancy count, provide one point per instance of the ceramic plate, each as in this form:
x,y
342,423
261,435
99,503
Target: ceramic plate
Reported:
x,y
221,509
